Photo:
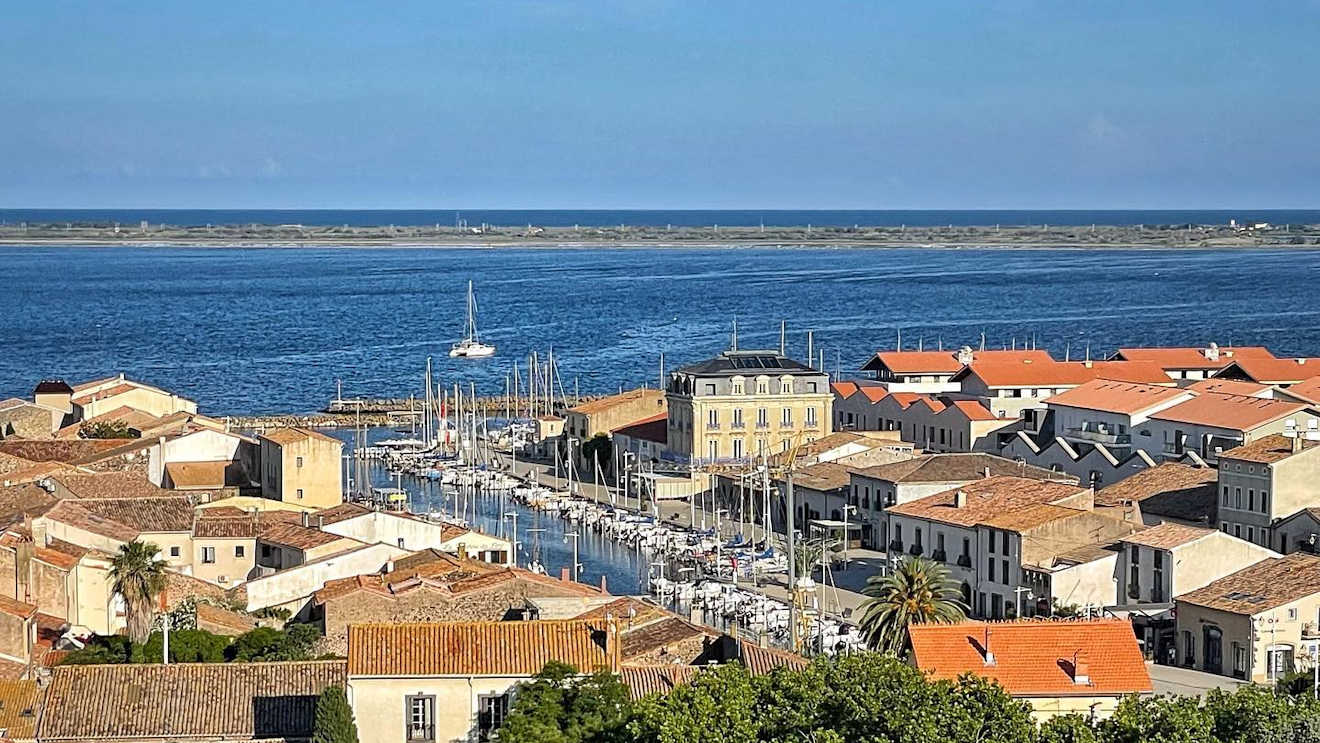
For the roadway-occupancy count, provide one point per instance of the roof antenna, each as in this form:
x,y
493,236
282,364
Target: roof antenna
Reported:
x,y
1088,351
1067,351
940,338
921,343
899,345
735,334
982,340
783,328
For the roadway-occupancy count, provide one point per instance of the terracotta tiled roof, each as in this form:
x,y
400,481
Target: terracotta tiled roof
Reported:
x,y
1308,389
1191,358
108,392
474,648
1274,371
1062,373
955,467
986,499
190,475
760,661
26,499
822,476
125,518
1172,490
83,386
59,553
35,472
242,527
1168,535
643,681
110,485
341,512
973,410
1268,449
660,634
630,611
20,707
1235,412
1260,587
1228,387
16,608
1030,517
944,362
215,615
873,392
186,701
653,428
1036,658
294,435
56,450
296,535
843,389
603,404
1105,395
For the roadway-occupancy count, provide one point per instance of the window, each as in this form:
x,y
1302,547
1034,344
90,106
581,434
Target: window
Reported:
x,y
1004,575
737,448
967,549
174,551
811,386
1237,497
918,542
762,418
1189,648
713,418
240,551
1223,497
399,541
710,389
300,493
208,555
299,461
991,570
737,384
1264,502
713,449
737,418
421,718
1239,660
786,386
491,711
786,419
1251,499
939,542
811,416
1004,542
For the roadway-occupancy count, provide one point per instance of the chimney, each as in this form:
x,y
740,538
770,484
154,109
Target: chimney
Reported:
x,y
1297,443
1081,670
602,586
563,574
986,471
389,565
306,519
960,498
1301,361
320,522
1212,352
965,355
1088,364
988,656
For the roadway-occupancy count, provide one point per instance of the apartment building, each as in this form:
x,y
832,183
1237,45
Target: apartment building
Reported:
x,y
933,371
1008,388
1191,363
1253,624
302,466
744,404
1266,481
1211,423
1159,564
993,532
603,415
1271,371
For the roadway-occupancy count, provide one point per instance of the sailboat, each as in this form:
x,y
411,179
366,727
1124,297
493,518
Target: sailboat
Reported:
x,y
471,346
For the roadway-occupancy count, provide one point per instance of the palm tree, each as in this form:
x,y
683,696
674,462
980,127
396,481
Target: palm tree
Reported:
x,y
139,577
918,591
809,552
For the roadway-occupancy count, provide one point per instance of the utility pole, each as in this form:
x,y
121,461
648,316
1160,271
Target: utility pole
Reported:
x,y
793,637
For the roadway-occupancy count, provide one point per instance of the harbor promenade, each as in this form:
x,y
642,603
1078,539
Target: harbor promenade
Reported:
x,y
840,596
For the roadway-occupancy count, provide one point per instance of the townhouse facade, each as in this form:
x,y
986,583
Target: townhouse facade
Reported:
x,y
302,466
1266,481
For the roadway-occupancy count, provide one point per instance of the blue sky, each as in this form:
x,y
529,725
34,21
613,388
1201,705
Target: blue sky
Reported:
x,y
659,104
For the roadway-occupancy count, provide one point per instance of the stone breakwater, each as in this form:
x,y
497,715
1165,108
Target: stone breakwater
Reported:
x,y
380,411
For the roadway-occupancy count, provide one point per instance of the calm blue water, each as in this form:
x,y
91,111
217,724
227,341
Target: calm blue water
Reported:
x,y
270,330
655,218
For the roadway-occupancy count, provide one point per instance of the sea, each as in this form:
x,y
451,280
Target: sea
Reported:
x,y
250,331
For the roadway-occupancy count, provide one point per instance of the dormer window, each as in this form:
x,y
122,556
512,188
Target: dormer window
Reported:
x,y
737,385
762,386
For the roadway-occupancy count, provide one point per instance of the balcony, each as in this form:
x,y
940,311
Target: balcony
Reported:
x,y
1098,435
965,561
736,424
916,550
1311,631
939,556
713,426
896,545
762,424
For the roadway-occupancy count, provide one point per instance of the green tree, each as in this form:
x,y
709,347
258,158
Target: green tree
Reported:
x,y
918,591
106,430
1157,720
560,705
186,646
598,448
1072,728
268,644
334,718
138,577
810,551
719,706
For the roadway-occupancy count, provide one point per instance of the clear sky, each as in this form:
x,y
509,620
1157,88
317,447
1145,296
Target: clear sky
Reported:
x,y
660,104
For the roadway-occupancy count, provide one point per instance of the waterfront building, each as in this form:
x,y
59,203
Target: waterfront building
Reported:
x,y
1191,363
302,466
874,488
1253,624
1084,667
1002,539
933,371
409,532
1006,389
640,441
1266,481
224,543
90,399
1157,565
744,404
944,423
1271,371
1209,424
26,420
603,415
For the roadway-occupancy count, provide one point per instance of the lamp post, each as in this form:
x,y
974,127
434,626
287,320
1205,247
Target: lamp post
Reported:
x,y
847,508
1017,597
514,542
576,565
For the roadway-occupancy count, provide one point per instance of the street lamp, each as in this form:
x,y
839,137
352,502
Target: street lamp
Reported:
x,y
847,508
1017,597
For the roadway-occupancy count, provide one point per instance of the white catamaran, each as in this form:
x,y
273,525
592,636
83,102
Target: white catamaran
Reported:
x,y
471,346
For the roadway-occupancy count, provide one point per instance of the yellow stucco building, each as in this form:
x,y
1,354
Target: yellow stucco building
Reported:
x,y
302,466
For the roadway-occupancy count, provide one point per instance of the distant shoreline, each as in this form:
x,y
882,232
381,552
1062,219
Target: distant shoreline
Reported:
x,y
486,237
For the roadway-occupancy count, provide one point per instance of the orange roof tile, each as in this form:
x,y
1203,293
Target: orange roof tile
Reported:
x,y
600,405
874,392
1168,535
293,435
1268,584
1307,389
474,648
986,499
16,608
944,362
296,536
1228,387
1032,373
1034,658
188,475
1191,358
973,410
1236,412
843,389
652,428
1268,449
1274,371
20,706
1128,398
